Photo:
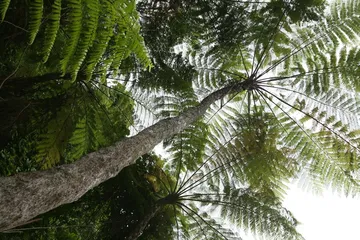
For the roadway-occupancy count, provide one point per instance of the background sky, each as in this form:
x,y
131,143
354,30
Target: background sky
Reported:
x,y
326,217
323,217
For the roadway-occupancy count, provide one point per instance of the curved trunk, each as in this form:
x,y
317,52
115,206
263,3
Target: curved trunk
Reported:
x,y
26,195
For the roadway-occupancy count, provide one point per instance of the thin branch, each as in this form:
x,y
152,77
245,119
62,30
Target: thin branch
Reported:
x,y
204,221
271,42
243,60
197,222
193,174
223,105
16,69
127,95
305,95
177,223
203,194
14,25
273,113
207,176
294,52
180,163
307,73
313,118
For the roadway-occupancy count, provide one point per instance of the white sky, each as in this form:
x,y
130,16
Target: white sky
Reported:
x,y
325,217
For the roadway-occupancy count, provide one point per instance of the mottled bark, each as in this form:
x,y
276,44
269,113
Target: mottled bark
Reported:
x,y
26,195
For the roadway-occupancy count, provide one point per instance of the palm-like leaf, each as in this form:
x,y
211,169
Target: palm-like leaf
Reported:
x,y
308,84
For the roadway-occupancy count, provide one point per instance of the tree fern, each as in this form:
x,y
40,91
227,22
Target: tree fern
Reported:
x,y
189,197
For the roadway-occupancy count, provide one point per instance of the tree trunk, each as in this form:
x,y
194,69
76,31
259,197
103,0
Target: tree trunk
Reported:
x,y
26,195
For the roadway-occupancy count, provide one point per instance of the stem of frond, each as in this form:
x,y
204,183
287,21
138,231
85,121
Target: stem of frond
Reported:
x,y
313,118
197,222
209,225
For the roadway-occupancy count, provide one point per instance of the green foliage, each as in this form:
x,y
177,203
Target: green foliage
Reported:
x,y
51,29
73,29
76,37
35,15
88,33
3,8
43,88
67,121
94,116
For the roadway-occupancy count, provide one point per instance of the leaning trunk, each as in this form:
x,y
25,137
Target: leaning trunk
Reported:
x,y
26,195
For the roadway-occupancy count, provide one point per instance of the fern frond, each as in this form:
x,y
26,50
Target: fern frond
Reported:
x,y
103,33
91,11
51,29
53,141
86,136
202,226
4,4
258,212
35,17
73,31
188,147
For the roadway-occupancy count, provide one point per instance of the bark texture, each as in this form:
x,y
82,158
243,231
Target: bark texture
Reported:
x,y
26,195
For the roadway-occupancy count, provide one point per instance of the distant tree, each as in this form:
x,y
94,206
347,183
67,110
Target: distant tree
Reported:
x,y
246,189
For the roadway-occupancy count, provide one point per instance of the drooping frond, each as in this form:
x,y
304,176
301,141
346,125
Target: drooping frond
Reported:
x,y
88,32
103,34
202,226
52,141
3,8
259,213
51,29
91,38
35,15
73,30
